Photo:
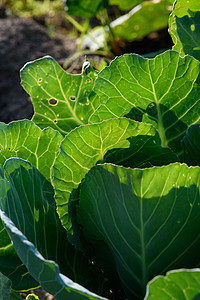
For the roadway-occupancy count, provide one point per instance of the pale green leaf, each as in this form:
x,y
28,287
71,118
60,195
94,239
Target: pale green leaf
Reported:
x,y
26,140
184,7
147,219
143,19
62,101
181,284
122,141
125,4
165,90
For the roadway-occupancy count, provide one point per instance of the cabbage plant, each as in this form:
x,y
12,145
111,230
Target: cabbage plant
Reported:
x,y
100,192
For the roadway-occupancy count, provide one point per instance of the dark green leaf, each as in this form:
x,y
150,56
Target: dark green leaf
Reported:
x,y
10,264
185,33
45,271
6,293
147,219
27,200
191,146
85,8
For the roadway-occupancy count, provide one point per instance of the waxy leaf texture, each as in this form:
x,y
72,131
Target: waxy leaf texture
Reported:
x,y
177,284
83,147
37,234
62,101
147,219
165,90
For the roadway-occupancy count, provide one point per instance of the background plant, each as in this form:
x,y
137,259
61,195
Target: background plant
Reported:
x,y
118,23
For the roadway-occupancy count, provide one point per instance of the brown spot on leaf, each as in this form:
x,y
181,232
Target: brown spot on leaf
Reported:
x,y
53,101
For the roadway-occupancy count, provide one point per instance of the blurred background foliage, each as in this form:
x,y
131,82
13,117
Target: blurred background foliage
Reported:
x,y
103,27
33,8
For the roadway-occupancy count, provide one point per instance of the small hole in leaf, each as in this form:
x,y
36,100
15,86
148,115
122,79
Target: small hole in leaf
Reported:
x,y
55,121
9,149
53,101
40,79
72,98
192,27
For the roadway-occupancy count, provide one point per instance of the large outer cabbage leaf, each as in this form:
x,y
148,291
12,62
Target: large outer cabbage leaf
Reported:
x,y
147,220
46,271
29,215
164,89
10,264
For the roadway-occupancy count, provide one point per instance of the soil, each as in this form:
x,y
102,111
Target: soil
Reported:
x,y
23,40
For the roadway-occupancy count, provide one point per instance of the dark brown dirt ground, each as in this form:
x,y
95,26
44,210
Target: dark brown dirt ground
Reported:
x,y
23,40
